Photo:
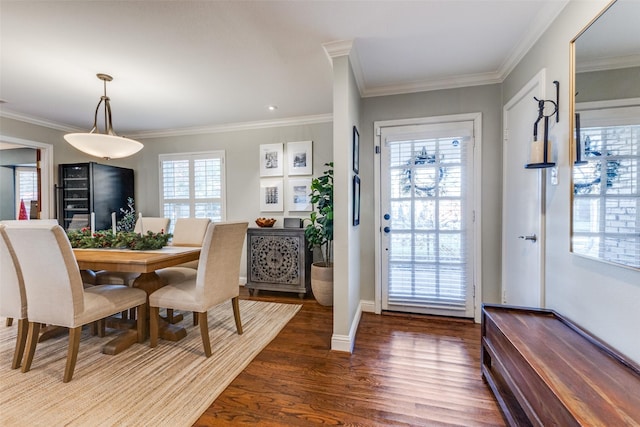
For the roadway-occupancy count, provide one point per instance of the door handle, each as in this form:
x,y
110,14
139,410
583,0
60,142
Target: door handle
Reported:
x,y
533,238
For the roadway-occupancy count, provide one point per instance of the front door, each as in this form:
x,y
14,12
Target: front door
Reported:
x,y
427,236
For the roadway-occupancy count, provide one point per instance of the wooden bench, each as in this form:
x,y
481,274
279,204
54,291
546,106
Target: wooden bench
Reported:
x,y
546,371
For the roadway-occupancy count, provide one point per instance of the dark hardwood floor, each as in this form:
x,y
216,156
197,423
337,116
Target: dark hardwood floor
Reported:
x,y
405,371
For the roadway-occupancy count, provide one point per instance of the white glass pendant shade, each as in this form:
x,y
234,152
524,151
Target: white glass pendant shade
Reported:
x,y
105,146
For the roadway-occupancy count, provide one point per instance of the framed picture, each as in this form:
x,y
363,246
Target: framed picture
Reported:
x,y
300,156
356,150
271,160
271,196
298,195
356,200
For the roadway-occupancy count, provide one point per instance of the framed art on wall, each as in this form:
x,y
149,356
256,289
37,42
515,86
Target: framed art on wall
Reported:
x,y
298,195
356,150
271,159
271,195
300,155
356,200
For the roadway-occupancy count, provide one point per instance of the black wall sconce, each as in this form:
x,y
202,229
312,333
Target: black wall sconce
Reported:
x,y
579,160
545,141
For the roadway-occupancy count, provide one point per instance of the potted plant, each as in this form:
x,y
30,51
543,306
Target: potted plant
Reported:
x,y
319,234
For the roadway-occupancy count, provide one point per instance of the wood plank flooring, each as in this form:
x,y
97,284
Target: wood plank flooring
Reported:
x,y
405,371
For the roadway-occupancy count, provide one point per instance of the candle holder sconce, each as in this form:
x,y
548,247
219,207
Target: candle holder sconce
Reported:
x,y
579,160
545,163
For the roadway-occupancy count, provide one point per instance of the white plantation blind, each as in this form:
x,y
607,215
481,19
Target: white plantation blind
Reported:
x,y
192,186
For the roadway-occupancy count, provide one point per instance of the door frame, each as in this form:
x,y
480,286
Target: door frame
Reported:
x,y
46,165
539,81
477,189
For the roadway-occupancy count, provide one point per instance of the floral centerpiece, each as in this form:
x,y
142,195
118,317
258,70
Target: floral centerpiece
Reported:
x,y
123,239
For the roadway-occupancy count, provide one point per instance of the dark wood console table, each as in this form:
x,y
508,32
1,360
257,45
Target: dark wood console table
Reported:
x,y
278,259
546,371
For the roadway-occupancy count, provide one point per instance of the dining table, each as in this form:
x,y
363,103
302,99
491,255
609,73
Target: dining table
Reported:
x,y
146,263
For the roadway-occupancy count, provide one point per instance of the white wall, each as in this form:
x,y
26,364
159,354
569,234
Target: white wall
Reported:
x,y
346,108
602,298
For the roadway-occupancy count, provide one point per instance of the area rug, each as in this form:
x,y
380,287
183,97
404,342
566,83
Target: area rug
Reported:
x,y
170,385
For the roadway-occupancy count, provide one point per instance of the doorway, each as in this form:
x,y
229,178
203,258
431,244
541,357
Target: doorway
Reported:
x,y
45,166
427,212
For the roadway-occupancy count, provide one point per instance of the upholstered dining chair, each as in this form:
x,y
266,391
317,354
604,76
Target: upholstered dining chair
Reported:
x,y
13,299
55,294
217,280
143,225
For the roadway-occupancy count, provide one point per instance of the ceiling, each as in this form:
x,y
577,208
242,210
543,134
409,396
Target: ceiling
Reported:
x,y
189,66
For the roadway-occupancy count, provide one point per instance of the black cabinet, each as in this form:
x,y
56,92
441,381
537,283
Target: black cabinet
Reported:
x,y
92,187
278,259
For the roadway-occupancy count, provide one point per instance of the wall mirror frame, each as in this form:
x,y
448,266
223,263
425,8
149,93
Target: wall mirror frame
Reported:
x,y
605,137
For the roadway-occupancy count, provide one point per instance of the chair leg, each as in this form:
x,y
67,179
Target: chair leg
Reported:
x,y
236,314
72,353
204,331
170,315
195,318
32,341
153,325
21,340
141,322
9,321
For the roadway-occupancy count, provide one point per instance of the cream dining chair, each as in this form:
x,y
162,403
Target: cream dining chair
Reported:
x,y
55,294
13,299
217,280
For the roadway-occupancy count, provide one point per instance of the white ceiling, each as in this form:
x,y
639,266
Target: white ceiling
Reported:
x,y
195,65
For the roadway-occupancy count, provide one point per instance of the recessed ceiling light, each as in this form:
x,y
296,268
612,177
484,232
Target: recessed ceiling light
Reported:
x,y
272,107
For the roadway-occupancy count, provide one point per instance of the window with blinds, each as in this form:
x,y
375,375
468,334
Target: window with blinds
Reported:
x,y
192,186
427,263
606,206
26,188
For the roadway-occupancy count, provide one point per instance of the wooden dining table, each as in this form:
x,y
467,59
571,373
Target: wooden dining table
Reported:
x,y
146,263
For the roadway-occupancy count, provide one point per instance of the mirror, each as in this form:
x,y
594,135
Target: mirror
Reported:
x,y
605,146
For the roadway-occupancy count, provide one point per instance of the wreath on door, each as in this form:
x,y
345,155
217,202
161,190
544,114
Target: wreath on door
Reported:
x,y
423,185
592,172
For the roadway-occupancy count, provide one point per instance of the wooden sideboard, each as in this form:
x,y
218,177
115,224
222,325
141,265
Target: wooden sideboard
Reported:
x,y
278,259
546,371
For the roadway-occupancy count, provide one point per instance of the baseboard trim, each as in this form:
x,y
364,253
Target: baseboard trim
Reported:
x,y
346,342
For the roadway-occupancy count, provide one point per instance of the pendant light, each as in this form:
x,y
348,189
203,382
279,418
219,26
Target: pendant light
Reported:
x,y
107,145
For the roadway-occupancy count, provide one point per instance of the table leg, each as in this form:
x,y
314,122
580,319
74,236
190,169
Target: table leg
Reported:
x,y
148,282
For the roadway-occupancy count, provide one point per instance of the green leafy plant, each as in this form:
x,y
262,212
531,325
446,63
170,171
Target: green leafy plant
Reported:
x,y
124,239
319,232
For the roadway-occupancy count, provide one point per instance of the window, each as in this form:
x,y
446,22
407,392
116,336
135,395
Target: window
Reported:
x,y
26,188
606,205
192,186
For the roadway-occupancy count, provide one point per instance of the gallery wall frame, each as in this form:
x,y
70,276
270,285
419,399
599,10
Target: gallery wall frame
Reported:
x,y
271,159
300,158
271,195
356,200
356,150
298,195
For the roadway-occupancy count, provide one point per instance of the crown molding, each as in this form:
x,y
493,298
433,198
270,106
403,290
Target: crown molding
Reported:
x,y
448,83
604,64
234,127
538,27
38,122
338,48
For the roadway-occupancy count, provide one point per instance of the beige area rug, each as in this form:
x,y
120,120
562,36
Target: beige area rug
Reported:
x,y
170,385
